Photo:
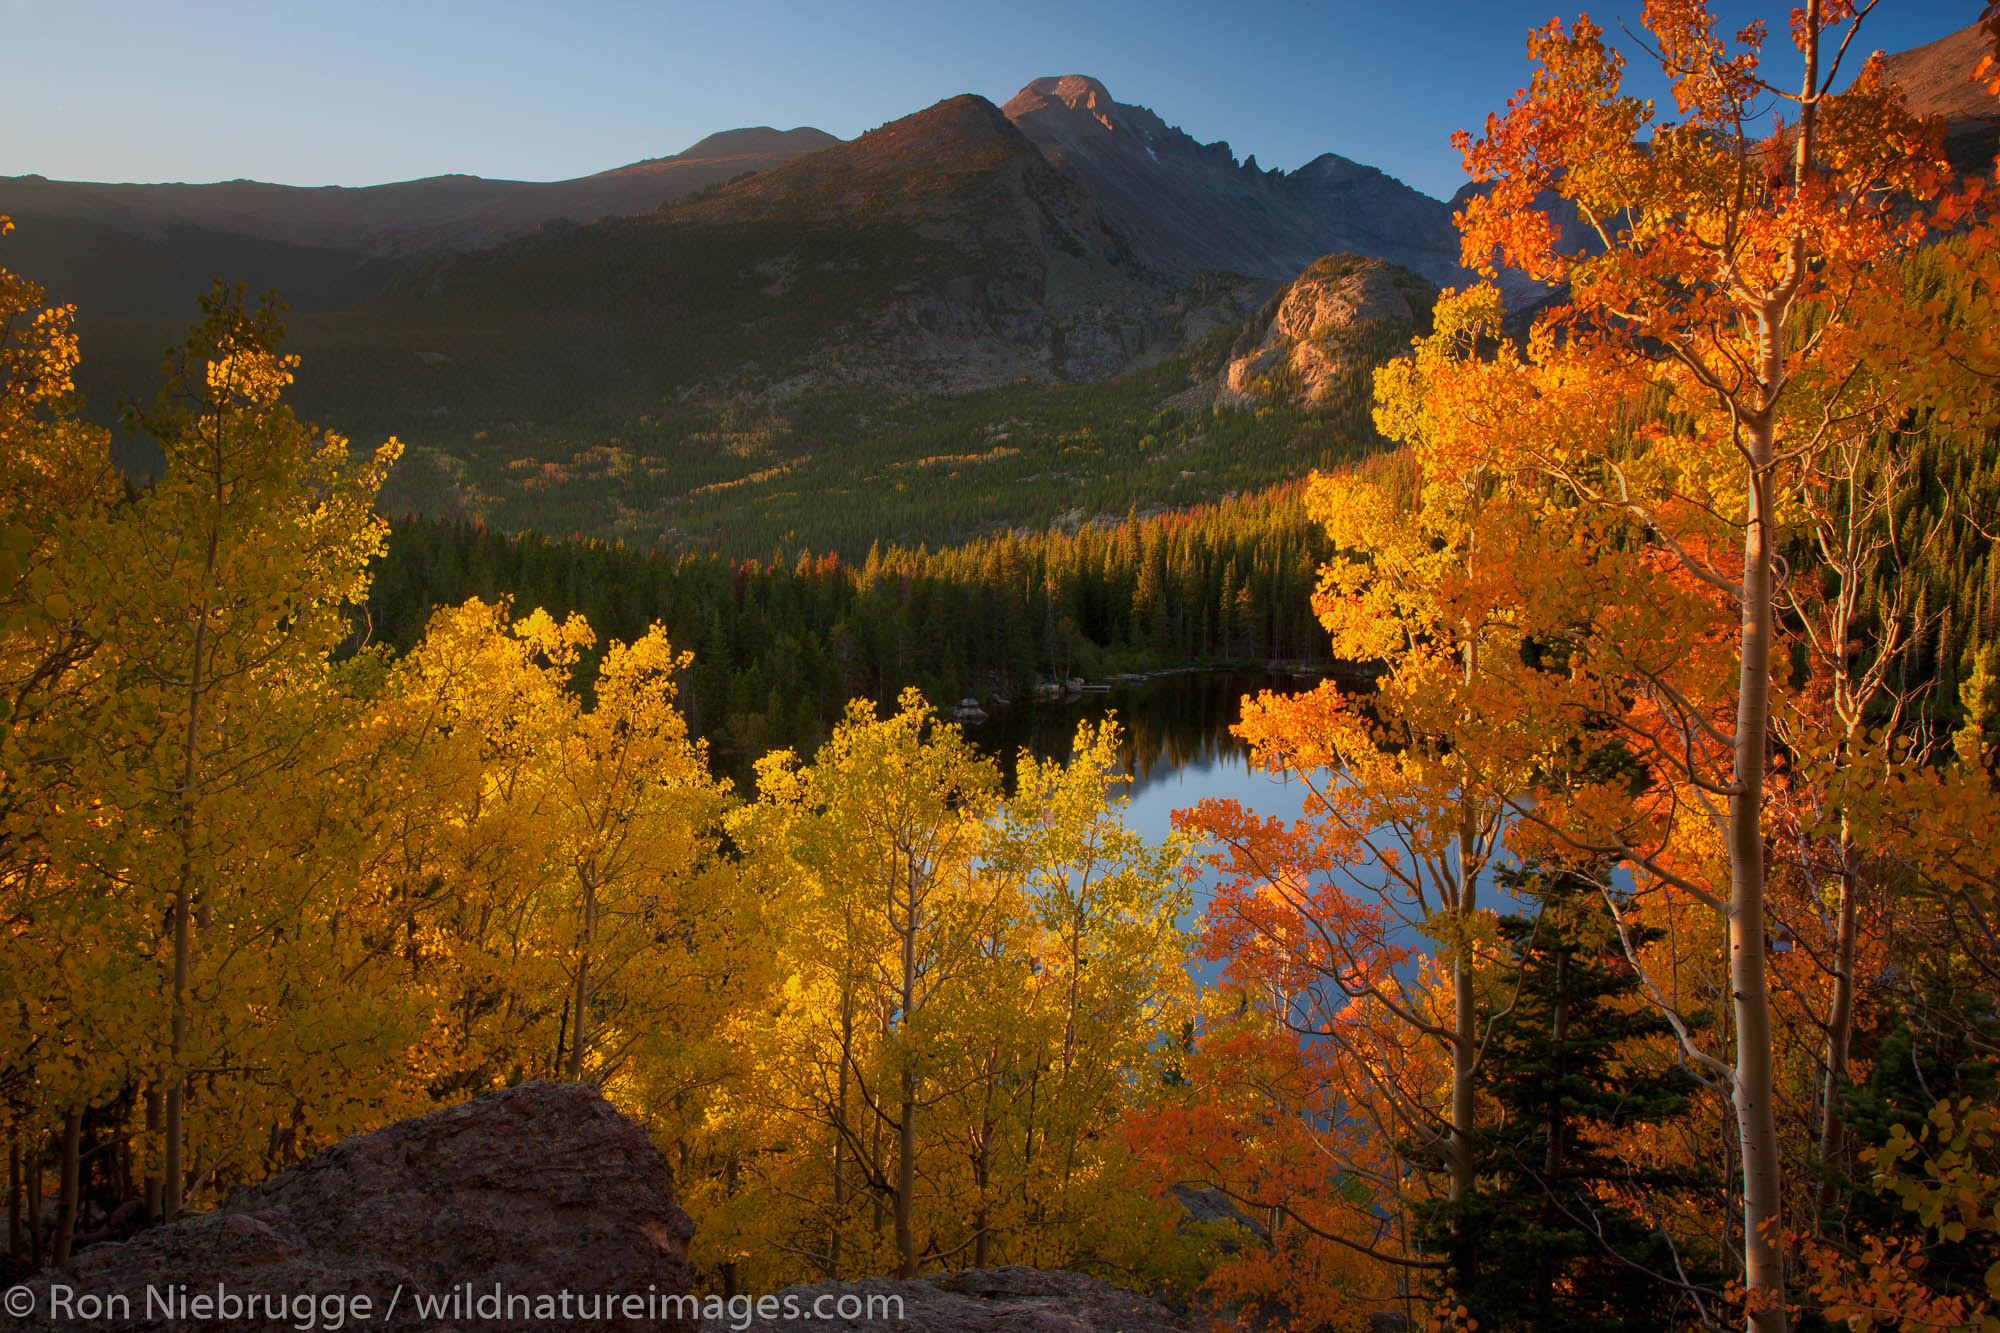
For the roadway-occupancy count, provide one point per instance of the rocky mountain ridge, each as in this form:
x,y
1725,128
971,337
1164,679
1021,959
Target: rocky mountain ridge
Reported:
x,y
1186,206
940,253
1119,180
1064,237
1176,206
1040,282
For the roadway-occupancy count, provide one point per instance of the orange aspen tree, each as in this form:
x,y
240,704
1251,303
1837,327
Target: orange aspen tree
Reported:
x,y
1324,924
1704,352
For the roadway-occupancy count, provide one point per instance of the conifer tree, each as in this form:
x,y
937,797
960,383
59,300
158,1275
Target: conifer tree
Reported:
x,y
1565,1223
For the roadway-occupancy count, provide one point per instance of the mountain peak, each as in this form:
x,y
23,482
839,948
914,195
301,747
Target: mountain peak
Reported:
x,y
902,168
1076,92
759,139
1183,206
759,142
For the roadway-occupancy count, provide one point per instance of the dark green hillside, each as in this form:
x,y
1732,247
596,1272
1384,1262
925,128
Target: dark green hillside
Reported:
x,y
585,375
842,472
923,336
562,442
100,265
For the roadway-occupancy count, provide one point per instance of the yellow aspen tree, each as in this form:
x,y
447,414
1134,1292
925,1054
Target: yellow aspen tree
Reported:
x,y
637,820
459,811
226,586
1108,989
555,867
888,821
796,1166
66,976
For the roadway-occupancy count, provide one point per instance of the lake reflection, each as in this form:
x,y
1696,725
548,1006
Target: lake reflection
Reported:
x,y
1180,751
1178,746
1173,725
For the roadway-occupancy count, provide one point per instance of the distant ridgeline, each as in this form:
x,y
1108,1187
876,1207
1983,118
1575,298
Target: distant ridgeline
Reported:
x,y
781,645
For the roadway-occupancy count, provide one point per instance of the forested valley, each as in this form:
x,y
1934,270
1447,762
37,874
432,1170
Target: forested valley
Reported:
x,y
781,646
1631,963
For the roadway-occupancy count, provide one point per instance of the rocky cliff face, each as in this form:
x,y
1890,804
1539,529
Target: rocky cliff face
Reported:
x,y
1042,285
528,1193
1187,206
1317,341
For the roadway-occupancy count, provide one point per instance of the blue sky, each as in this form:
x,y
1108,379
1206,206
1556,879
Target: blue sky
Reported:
x,y
353,92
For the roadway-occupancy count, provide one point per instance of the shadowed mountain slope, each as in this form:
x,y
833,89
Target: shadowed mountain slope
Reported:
x,y
939,253
1936,79
145,250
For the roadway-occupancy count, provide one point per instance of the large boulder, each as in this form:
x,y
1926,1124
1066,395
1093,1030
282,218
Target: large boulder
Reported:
x,y
480,1216
987,1300
1318,341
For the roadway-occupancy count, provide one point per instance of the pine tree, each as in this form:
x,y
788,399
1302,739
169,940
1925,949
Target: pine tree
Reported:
x,y
1553,1235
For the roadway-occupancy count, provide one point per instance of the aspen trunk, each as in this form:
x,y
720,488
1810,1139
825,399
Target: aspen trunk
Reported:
x,y
732,1180
877,1213
1463,1175
906,1126
1752,1096
1464,1046
840,1134
171,1165
67,1202
982,1220
14,1194
983,1176
906,1179
580,997
34,1165
1839,1025
128,1180
1464,1043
